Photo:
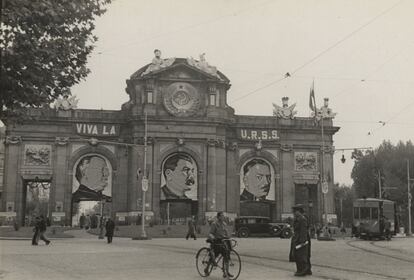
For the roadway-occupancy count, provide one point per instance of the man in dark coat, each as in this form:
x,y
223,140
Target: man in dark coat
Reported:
x,y
82,220
110,226
36,231
387,228
191,229
42,225
300,243
309,265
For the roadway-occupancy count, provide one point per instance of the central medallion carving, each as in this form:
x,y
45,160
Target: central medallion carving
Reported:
x,y
181,100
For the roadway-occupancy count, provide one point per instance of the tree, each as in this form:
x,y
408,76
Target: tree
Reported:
x,y
45,45
391,162
344,195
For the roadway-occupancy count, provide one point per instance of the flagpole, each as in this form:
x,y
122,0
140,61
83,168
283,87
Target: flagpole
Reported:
x,y
322,182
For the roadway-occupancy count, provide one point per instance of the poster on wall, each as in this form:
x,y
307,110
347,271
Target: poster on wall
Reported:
x,y
92,179
179,178
257,180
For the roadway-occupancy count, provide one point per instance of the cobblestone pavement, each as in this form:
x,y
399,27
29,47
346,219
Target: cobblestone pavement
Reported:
x,y
87,257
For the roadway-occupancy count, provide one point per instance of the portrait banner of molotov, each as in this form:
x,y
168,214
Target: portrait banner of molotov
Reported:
x,y
92,178
257,180
179,178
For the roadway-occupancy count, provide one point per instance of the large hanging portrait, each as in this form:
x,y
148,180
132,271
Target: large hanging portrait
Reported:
x,y
257,180
179,178
92,179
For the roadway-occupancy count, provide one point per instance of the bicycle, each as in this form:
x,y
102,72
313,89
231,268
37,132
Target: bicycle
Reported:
x,y
207,260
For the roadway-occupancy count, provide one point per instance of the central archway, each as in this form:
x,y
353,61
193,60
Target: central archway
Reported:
x,y
179,188
91,190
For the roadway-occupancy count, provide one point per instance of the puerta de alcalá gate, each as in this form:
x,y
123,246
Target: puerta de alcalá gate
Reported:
x,y
200,156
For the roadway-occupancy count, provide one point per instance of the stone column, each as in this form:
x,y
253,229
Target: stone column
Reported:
x,y
328,171
221,175
60,180
233,184
150,171
12,194
121,179
133,182
287,199
211,176
156,180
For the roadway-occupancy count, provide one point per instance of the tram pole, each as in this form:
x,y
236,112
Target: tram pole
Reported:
x,y
409,198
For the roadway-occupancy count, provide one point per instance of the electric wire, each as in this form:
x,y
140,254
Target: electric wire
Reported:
x,y
170,33
321,53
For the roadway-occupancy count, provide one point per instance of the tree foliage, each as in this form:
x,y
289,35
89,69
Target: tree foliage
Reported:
x,y
345,194
391,162
45,45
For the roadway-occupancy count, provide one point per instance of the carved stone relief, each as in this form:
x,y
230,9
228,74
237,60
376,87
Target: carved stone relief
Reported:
x,y
37,154
306,161
285,112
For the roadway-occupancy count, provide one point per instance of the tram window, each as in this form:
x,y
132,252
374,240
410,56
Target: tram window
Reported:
x,y
365,213
374,213
356,212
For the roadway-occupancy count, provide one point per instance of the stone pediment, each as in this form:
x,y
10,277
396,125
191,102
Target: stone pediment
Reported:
x,y
181,68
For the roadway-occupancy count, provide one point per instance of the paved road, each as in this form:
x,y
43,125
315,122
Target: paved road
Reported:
x,y
84,257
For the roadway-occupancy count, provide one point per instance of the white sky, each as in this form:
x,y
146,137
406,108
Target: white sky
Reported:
x,y
254,43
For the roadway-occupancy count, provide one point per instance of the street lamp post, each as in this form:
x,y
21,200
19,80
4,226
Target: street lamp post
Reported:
x,y
409,197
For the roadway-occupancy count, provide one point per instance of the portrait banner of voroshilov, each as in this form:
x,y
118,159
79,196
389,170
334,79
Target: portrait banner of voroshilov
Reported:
x,y
92,178
257,180
178,177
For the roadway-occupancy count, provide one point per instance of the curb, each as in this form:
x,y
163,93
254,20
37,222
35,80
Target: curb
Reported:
x,y
27,238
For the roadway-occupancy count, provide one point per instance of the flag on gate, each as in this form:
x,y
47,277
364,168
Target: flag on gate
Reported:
x,y
312,102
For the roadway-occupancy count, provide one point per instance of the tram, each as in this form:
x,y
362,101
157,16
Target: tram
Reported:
x,y
369,215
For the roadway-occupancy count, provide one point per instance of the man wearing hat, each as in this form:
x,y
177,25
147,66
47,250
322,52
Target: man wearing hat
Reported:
x,y
300,243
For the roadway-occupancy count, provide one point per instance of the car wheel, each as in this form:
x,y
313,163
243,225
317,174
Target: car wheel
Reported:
x,y
286,233
244,232
275,231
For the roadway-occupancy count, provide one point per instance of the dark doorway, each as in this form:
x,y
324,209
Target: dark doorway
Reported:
x,y
177,211
307,195
36,201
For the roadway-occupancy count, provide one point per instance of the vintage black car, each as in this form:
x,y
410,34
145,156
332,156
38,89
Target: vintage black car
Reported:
x,y
246,226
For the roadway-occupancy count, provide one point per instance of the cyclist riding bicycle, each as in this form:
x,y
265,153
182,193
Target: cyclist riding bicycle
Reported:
x,y
220,243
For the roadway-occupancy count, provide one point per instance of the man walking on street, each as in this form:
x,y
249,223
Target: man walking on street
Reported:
x,y
191,229
110,226
387,229
300,243
42,225
36,231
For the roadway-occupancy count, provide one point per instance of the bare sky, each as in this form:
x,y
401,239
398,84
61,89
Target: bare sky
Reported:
x,y
360,54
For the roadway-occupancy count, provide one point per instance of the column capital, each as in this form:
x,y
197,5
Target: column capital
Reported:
x,y
61,141
13,140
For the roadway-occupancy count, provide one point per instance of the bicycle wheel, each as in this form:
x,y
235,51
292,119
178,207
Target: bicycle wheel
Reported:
x,y
203,261
234,265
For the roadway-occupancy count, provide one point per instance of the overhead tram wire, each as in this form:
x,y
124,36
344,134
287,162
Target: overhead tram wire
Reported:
x,y
169,33
321,53
375,70
384,123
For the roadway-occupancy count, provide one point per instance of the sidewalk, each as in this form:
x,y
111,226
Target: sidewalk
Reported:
x,y
26,233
